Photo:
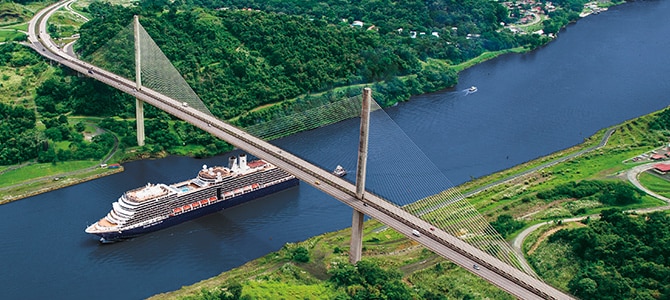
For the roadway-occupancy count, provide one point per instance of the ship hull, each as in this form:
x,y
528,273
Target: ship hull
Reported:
x,y
107,237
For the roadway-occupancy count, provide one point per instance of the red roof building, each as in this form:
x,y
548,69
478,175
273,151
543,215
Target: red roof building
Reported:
x,y
662,168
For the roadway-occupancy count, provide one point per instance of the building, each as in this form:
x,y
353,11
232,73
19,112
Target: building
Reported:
x,y
662,168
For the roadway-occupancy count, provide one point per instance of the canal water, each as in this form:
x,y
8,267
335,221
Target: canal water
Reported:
x,y
604,70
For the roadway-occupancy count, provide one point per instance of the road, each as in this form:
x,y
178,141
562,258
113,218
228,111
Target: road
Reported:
x,y
504,276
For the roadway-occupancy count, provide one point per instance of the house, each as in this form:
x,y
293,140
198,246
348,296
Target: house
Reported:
x,y
657,157
662,168
357,23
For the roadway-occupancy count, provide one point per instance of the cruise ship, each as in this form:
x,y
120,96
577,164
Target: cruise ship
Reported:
x,y
156,206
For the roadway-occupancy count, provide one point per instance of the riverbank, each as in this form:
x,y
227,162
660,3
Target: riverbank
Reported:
x,y
43,184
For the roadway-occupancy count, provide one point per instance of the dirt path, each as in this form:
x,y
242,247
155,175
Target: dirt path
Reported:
x,y
544,236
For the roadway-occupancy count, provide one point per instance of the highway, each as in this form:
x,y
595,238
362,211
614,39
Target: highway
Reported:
x,y
493,270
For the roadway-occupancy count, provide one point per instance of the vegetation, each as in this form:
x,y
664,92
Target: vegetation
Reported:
x,y
12,12
620,256
393,268
568,12
608,193
252,58
21,71
506,225
17,131
656,183
237,59
520,197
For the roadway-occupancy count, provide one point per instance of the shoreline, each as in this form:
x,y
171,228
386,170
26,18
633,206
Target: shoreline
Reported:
x,y
53,183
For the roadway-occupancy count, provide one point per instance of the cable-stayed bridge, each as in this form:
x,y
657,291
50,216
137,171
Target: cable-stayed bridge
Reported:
x,y
460,234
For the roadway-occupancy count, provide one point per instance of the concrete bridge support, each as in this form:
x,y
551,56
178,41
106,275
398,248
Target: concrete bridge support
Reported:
x,y
356,243
139,104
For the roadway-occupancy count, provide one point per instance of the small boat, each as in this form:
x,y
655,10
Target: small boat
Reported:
x,y
339,171
472,89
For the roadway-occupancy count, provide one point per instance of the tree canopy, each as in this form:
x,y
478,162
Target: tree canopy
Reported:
x,y
621,256
238,55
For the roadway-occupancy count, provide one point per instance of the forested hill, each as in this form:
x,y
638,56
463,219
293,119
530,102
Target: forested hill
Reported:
x,y
386,15
237,59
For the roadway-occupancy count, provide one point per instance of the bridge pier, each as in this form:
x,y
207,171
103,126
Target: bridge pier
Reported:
x,y
139,104
356,243
139,119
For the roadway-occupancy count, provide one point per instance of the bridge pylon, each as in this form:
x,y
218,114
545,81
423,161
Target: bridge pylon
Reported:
x,y
356,243
139,104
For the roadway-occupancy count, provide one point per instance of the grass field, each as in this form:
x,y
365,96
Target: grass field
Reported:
x,y
656,184
8,35
19,26
36,170
38,186
12,13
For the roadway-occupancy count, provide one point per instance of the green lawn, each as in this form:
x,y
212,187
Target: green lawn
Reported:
x,y
10,35
655,183
20,26
42,170
283,290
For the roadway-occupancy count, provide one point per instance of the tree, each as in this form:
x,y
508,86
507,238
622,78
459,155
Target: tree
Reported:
x,y
300,254
506,225
80,126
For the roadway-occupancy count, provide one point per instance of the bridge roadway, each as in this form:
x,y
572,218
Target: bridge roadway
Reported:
x,y
493,270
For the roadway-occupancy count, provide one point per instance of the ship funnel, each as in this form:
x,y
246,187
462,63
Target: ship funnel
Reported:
x,y
243,162
232,162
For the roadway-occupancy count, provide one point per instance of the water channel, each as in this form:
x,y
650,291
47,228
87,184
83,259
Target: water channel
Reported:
x,y
604,70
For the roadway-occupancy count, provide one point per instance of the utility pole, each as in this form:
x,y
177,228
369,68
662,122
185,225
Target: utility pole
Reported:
x,y
139,104
356,244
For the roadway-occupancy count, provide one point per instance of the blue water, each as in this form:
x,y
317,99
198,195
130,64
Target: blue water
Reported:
x,y
605,69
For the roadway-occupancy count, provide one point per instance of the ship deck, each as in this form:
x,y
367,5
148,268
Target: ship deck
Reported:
x,y
104,222
185,186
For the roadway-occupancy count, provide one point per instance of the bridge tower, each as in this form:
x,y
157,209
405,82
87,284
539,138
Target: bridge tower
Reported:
x,y
356,243
139,104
